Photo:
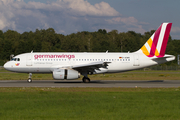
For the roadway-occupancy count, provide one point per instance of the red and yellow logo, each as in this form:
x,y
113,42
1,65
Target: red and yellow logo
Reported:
x,y
17,64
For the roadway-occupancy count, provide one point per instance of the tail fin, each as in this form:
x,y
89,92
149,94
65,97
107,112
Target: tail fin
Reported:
x,y
156,45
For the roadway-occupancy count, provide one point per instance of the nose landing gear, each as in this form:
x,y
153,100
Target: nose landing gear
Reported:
x,y
29,79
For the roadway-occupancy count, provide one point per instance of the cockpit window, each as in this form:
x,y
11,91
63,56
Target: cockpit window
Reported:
x,y
15,59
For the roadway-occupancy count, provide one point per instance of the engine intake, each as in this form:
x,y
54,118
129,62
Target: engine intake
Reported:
x,y
67,74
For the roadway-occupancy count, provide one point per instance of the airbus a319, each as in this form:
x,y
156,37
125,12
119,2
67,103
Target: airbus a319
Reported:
x,y
70,65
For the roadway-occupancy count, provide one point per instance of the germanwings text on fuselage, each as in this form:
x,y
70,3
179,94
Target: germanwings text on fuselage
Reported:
x,y
53,56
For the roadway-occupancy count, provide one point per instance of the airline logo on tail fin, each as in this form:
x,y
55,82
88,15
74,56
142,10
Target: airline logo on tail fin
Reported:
x,y
156,45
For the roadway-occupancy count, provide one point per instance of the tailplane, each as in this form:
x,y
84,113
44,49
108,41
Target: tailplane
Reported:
x,y
156,45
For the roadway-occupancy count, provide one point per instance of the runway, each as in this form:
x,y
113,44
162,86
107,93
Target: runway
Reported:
x,y
93,83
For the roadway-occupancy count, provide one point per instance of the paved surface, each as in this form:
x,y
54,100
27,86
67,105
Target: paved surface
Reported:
x,y
94,83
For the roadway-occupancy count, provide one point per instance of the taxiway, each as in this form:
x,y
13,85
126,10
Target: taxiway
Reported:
x,y
93,83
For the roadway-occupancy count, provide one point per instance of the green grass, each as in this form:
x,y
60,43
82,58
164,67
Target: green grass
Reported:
x,y
131,75
90,103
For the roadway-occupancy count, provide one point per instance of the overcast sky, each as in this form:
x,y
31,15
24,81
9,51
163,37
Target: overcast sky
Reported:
x,y
71,16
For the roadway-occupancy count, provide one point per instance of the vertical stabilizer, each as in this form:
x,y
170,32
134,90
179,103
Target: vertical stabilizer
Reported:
x,y
156,45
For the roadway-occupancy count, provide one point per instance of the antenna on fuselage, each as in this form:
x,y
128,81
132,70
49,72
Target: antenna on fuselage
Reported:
x,y
107,51
32,51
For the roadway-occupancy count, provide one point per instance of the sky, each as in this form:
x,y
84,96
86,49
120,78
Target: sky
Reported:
x,y
72,16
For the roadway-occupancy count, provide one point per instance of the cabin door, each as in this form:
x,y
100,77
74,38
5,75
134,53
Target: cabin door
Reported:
x,y
29,60
136,60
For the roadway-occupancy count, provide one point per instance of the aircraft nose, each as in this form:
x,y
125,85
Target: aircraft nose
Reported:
x,y
7,66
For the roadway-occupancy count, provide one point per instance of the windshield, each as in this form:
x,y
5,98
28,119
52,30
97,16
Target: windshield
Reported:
x,y
15,59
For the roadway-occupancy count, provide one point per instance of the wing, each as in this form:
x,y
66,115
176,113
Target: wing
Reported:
x,y
85,68
90,67
93,64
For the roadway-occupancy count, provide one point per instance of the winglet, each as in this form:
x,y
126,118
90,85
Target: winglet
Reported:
x,y
156,45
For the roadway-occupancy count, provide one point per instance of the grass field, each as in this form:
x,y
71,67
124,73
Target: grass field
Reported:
x,y
90,103
131,75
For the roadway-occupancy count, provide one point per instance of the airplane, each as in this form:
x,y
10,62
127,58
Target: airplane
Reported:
x,y
70,65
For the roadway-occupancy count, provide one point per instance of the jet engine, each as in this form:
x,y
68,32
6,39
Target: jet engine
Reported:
x,y
67,74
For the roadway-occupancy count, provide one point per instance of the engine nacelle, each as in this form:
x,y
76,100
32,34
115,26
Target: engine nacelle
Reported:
x,y
68,74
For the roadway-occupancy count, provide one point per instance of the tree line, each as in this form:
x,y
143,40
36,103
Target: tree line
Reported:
x,y
47,40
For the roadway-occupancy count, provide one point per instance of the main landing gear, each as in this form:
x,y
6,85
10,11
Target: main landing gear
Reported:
x,y
29,79
86,79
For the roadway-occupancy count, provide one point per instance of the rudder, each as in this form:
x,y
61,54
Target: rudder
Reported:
x,y
156,45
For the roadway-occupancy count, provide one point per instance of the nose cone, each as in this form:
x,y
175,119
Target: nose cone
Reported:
x,y
7,66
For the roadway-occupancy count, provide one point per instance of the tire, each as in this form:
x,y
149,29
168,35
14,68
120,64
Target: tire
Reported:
x,y
29,80
86,80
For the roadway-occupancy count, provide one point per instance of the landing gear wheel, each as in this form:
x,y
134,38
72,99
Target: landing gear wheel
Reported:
x,y
86,80
29,80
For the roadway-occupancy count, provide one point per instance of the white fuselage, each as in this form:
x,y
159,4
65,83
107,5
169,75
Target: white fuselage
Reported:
x,y
46,62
